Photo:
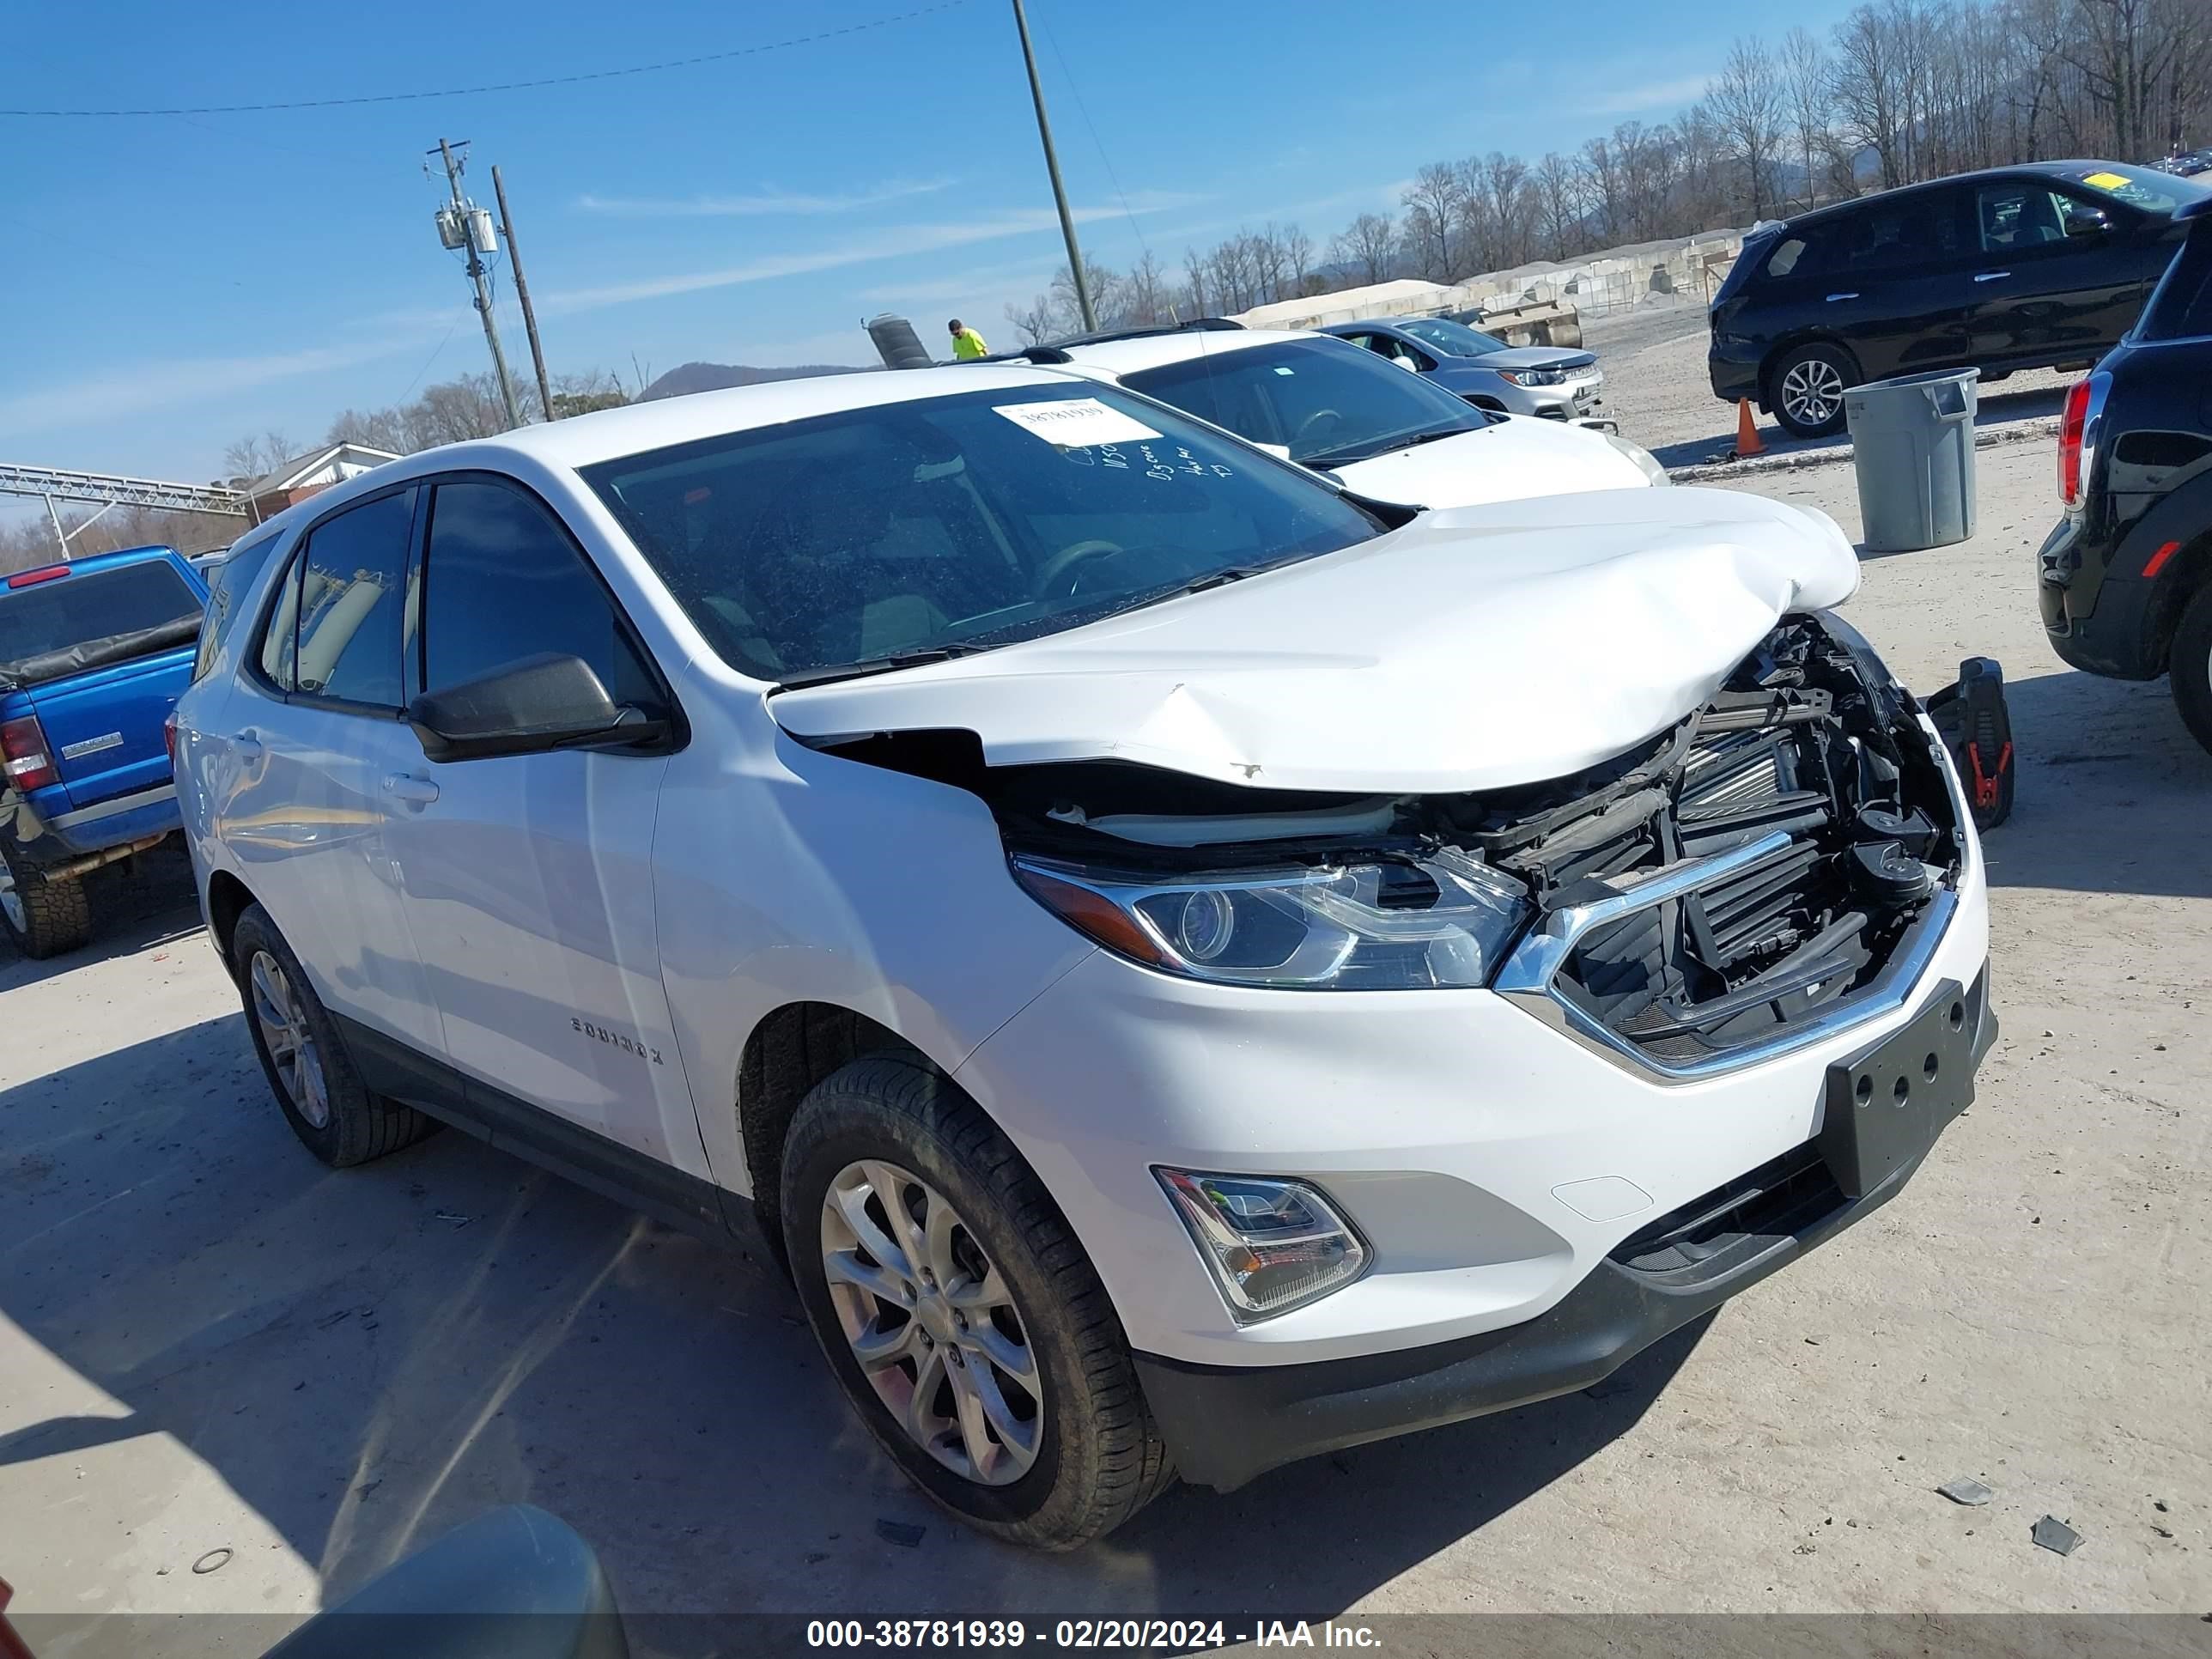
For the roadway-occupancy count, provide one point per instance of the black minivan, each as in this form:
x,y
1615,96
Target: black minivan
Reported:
x,y
2035,266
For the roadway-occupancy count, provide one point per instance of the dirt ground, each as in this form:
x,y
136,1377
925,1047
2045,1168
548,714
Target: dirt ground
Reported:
x,y
209,1342
1654,357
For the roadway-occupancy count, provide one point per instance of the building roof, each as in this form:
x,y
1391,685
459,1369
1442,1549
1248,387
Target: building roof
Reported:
x,y
290,474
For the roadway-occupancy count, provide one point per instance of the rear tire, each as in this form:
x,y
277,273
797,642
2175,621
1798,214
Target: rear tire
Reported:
x,y
42,918
1806,387
305,1058
2189,667
1079,1454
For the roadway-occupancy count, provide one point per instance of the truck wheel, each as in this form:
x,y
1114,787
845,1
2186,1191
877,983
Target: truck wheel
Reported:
x,y
2190,667
1806,389
42,918
968,1327
311,1073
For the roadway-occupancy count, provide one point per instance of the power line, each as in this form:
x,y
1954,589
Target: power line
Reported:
x,y
1114,178
508,86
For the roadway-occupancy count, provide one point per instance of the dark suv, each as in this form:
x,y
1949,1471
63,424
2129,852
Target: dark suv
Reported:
x,y
2026,267
2126,576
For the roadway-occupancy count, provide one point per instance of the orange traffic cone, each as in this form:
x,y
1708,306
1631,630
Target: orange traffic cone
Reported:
x,y
1747,433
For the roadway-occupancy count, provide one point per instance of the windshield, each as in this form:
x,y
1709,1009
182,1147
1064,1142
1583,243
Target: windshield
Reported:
x,y
2141,187
1325,400
1453,340
833,545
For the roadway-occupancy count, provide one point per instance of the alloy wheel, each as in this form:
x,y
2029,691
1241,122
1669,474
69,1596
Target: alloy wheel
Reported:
x,y
291,1045
932,1322
1812,392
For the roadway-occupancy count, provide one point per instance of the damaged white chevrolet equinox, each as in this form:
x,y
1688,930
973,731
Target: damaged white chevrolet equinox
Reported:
x,y
1191,967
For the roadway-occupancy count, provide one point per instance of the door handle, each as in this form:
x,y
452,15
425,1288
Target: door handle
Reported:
x,y
1991,276
246,745
415,792
1832,298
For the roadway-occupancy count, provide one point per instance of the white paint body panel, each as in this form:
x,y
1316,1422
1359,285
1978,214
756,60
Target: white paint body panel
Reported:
x,y
749,872
1470,650
1510,460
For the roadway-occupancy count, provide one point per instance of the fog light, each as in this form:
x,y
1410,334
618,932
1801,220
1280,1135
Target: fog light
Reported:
x,y
1272,1244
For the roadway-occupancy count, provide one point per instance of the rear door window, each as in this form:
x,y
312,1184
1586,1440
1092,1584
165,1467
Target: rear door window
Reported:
x,y
1907,231
2181,308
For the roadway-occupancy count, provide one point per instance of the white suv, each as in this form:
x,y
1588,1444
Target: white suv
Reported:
x,y
1191,967
1328,404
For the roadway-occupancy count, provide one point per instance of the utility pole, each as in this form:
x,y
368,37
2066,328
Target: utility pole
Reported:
x,y
522,293
468,239
1052,165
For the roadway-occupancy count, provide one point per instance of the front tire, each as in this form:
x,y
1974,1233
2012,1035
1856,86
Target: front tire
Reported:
x,y
1806,389
966,1325
305,1058
42,918
2190,667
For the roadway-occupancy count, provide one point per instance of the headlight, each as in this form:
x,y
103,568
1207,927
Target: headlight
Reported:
x,y
1440,919
1537,376
1272,1244
1645,462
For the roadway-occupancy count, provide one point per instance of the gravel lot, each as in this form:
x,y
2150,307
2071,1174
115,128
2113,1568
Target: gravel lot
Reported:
x,y
1655,386
209,1342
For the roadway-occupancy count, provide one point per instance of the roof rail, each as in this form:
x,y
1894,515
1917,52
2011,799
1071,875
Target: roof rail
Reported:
x,y
1148,331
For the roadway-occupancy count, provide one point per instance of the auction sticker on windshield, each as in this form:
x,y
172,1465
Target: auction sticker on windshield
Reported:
x,y
1075,423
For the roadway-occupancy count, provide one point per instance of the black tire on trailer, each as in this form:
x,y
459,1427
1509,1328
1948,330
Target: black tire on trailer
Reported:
x,y
995,1290
304,1057
42,918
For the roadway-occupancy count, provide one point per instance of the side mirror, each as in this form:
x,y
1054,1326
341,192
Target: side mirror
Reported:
x,y
540,703
2087,221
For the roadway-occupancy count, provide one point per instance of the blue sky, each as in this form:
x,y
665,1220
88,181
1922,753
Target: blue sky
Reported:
x,y
169,283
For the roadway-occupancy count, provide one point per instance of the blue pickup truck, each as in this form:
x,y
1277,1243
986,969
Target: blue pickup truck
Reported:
x,y
93,655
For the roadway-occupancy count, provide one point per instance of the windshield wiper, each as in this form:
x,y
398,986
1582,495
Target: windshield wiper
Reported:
x,y
1352,455
918,656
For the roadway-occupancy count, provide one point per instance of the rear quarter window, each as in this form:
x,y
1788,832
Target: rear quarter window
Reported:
x,y
2181,307
226,585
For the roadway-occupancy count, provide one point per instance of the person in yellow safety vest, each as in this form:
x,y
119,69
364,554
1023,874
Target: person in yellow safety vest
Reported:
x,y
967,344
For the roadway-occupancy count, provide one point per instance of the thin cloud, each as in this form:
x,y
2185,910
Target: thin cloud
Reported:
x,y
956,290
164,385
900,241
1649,94
766,201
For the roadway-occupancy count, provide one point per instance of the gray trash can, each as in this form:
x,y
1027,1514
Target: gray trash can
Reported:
x,y
1913,440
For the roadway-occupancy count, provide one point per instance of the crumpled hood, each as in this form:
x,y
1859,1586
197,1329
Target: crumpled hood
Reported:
x,y
1503,461
1475,649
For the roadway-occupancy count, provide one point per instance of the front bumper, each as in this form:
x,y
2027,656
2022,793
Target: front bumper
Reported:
x,y
1570,402
1226,1424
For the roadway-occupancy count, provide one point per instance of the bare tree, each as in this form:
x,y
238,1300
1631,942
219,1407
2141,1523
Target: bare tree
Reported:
x,y
1805,85
1034,321
1559,197
1433,204
1867,88
254,458
1297,258
1369,243
1749,107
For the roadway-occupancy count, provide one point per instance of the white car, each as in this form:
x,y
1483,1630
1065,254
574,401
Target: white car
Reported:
x,y
1327,403
1190,968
